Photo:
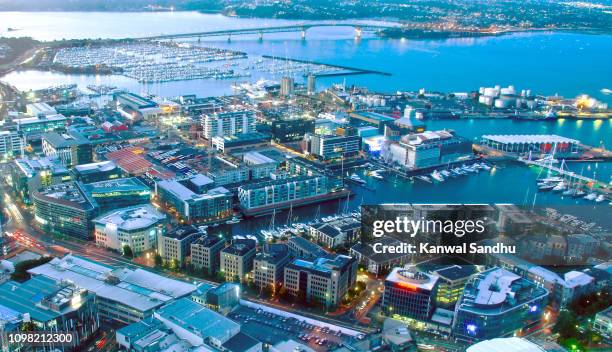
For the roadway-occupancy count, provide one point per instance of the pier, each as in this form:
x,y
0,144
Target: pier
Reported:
x,y
572,176
353,69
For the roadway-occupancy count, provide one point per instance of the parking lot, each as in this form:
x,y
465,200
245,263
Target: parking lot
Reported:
x,y
271,328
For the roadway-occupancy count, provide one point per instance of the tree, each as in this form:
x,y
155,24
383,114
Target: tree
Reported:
x,y
21,269
566,325
127,251
158,260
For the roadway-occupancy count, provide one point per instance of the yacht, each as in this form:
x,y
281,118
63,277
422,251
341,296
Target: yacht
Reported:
x,y
559,187
579,193
376,175
437,176
485,166
590,196
569,192
356,178
550,179
600,198
445,173
545,187
424,178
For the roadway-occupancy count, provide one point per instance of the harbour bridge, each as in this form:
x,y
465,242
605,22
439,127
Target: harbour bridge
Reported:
x,y
301,28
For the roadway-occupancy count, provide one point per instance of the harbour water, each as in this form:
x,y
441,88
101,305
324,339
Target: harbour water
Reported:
x,y
565,63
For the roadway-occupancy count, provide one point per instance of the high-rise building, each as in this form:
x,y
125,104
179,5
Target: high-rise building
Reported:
x,y
237,259
286,88
206,253
96,172
323,281
291,129
498,303
430,148
410,293
311,84
33,174
225,124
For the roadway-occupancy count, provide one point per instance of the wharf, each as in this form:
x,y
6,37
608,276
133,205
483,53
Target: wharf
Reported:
x,y
354,69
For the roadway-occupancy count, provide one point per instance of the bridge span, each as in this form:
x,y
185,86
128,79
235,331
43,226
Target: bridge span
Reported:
x,y
302,28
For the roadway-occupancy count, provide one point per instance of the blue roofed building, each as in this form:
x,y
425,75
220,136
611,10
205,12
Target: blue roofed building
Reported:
x,y
46,304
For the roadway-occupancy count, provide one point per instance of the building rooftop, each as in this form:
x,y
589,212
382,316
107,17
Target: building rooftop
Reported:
x,y
529,138
497,290
28,297
308,246
182,232
198,319
117,185
131,218
240,247
412,278
39,119
322,266
183,193
456,272
92,168
69,194
280,181
241,342
29,167
256,158
136,288
63,140
577,278
509,344
208,240
273,253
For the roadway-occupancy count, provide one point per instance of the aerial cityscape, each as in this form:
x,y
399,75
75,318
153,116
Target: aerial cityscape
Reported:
x,y
311,175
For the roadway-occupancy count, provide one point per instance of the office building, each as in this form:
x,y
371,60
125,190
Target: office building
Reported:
x,y
11,145
227,170
269,265
66,209
451,283
332,147
33,174
410,293
260,165
184,197
175,246
237,259
118,193
299,247
377,263
222,124
278,193
498,303
602,324
323,281
373,119
70,149
32,128
291,129
45,304
96,172
397,336
428,149
137,227
122,294
287,85
240,142
223,298
206,253
336,233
